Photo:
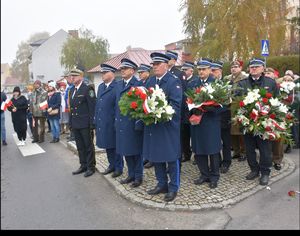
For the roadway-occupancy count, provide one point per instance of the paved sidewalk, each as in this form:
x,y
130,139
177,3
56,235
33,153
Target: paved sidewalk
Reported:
x,y
232,186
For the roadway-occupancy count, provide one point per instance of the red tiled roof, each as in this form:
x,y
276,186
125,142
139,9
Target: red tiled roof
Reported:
x,y
137,55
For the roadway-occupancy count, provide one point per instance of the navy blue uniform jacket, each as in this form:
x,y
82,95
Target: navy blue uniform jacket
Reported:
x,y
162,140
128,140
206,137
105,116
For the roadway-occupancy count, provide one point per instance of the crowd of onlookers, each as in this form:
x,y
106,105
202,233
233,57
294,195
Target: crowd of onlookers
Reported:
x,y
42,102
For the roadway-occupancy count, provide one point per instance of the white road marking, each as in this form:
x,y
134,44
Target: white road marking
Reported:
x,y
30,148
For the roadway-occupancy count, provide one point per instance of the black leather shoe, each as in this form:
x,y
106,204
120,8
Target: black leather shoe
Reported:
x,y
252,175
116,174
4,143
148,165
34,141
264,180
79,171
277,166
108,171
158,190
56,140
201,180
53,141
127,180
136,183
224,169
170,196
89,173
213,184
40,141
194,162
242,158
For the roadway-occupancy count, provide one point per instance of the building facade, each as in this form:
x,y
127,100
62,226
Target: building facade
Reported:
x,y
45,59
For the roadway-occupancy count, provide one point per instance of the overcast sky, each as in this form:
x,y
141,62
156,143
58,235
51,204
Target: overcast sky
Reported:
x,y
149,24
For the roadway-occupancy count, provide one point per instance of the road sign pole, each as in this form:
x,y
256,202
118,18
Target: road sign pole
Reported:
x,y
266,62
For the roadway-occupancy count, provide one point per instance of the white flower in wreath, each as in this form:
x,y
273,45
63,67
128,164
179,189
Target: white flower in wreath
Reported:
x,y
283,108
275,102
210,89
252,96
170,110
287,86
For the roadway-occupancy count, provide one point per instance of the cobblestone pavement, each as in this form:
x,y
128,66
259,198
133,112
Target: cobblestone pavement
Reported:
x,y
232,186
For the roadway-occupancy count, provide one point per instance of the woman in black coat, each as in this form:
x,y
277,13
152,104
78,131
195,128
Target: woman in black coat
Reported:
x,y
19,115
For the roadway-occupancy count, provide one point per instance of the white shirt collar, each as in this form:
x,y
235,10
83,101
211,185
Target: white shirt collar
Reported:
x,y
79,85
190,77
107,84
159,78
127,81
204,81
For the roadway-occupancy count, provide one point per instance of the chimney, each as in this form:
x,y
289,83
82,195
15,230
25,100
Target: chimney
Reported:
x,y
74,33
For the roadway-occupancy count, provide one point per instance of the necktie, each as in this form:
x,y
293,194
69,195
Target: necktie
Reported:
x,y
157,81
105,86
74,93
125,84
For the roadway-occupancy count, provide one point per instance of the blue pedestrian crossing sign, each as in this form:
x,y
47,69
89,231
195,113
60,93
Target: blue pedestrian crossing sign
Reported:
x,y
265,47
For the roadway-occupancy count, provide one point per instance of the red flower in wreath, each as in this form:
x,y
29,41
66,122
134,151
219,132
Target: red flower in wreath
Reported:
x,y
133,105
143,96
265,100
242,104
269,95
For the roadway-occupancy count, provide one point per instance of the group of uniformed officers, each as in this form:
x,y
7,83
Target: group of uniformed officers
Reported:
x,y
164,145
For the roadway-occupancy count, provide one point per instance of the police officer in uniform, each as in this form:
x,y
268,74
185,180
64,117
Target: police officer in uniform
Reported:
x,y
162,140
144,74
105,120
206,136
171,64
82,109
188,69
216,69
256,79
129,141
179,75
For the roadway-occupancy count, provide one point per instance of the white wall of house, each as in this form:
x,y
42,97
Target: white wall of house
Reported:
x,y
97,81
45,64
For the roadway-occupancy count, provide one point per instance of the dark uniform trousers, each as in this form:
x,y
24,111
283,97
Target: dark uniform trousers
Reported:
x,y
161,174
85,147
135,166
226,142
115,160
265,159
186,140
212,173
